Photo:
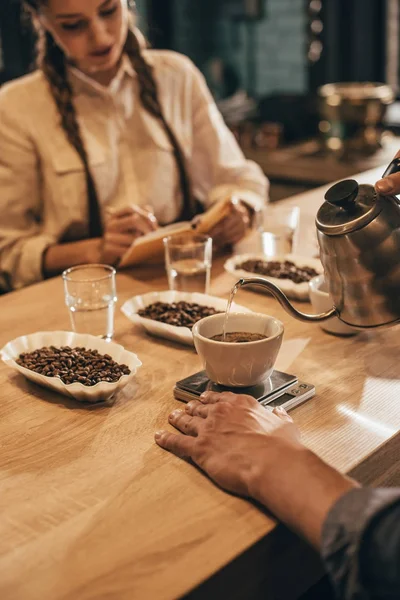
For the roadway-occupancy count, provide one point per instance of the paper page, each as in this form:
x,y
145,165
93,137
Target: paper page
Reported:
x,y
150,246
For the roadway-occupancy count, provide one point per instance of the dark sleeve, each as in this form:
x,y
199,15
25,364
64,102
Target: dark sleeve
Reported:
x,y
361,544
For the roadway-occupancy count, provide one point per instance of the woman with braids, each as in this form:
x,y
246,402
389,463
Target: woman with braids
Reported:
x,y
105,141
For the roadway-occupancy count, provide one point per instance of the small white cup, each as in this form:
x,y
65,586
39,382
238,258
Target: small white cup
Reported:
x,y
322,302
238,365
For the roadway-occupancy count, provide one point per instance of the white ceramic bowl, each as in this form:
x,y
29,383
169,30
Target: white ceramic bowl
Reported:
x,y
182,335
297,291
322,302
238,365
98,393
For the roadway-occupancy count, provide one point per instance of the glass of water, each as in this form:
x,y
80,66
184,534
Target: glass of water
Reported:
x,y
278,228
90,295
188,260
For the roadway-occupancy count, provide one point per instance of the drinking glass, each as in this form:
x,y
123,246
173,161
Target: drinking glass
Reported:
x,y
278,229
90,295
188,260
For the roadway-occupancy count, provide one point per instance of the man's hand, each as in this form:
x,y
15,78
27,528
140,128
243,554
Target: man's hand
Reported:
x,y
234,227
389,185
230,437
250,451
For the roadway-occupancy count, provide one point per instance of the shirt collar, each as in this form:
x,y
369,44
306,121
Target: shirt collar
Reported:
x,y
83,83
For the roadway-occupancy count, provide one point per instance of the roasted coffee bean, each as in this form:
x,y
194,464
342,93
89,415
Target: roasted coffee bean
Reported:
x,y
73,365
180,314
279,270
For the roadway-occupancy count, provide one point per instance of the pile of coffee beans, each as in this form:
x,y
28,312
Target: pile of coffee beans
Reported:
x,y
180,314
73,365
279,270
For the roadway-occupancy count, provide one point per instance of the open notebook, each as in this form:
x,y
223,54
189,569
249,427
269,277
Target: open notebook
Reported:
x,y
150,247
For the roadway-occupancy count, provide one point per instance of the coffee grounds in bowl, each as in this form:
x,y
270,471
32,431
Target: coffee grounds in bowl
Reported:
x,y
279,270
239,337
73,365
180,314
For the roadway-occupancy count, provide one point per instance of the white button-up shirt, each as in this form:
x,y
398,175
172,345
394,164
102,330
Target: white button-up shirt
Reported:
x,y
43,195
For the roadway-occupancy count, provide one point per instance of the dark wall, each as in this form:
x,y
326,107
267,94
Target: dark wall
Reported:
x,y
354,39
16,41
269,54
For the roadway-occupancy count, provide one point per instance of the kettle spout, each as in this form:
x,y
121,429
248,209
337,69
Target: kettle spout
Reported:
x,y
285,303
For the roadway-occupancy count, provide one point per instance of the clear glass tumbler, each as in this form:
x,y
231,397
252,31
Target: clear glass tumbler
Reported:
x,y
90,295
278,229
188,261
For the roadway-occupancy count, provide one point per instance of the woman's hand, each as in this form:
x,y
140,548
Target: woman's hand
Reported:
x,y
231,437
234,227
389,185
121,229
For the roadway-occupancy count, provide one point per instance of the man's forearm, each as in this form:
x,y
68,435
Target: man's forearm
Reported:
x,y
301,491
361,544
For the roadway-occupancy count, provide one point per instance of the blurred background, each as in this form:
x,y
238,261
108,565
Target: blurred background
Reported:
x,y
267,63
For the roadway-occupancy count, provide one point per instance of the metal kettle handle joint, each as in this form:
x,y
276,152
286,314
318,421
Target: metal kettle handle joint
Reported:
x,y
284,302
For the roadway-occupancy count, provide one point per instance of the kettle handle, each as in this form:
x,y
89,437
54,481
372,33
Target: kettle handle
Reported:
x,y
394,167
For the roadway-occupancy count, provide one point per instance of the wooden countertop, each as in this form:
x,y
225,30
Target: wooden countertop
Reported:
x,y
304,162
92,509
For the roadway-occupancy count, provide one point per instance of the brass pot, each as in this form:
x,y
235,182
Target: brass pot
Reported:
x,y
352,116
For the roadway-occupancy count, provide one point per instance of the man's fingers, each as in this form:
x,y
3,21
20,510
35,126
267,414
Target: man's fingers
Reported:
x,y
282,414
184,422
389,185
210,397
197,409
180,445
214,397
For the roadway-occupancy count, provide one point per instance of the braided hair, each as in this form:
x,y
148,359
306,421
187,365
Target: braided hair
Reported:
x,y
52,61
150,101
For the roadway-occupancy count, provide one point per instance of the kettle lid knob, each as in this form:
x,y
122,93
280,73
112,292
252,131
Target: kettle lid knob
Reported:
x,y
343,194
348,207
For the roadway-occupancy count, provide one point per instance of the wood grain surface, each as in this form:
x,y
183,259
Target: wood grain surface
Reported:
x,y
92,509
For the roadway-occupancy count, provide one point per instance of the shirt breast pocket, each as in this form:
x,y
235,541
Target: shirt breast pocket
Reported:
x,y
68,204
69,169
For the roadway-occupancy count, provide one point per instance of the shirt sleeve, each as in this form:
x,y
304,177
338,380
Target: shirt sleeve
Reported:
x,y
361,544
218,163
22,242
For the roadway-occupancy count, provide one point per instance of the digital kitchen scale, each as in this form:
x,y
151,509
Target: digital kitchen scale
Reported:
x,y
281,389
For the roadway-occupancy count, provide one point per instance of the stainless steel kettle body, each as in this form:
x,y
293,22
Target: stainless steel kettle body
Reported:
x,y
359,237
362,269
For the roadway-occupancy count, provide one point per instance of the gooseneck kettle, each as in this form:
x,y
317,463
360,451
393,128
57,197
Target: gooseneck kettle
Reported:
x,y
359,237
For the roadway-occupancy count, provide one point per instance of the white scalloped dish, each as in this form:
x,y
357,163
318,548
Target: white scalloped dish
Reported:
x,y
182,335
100,392
296,291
